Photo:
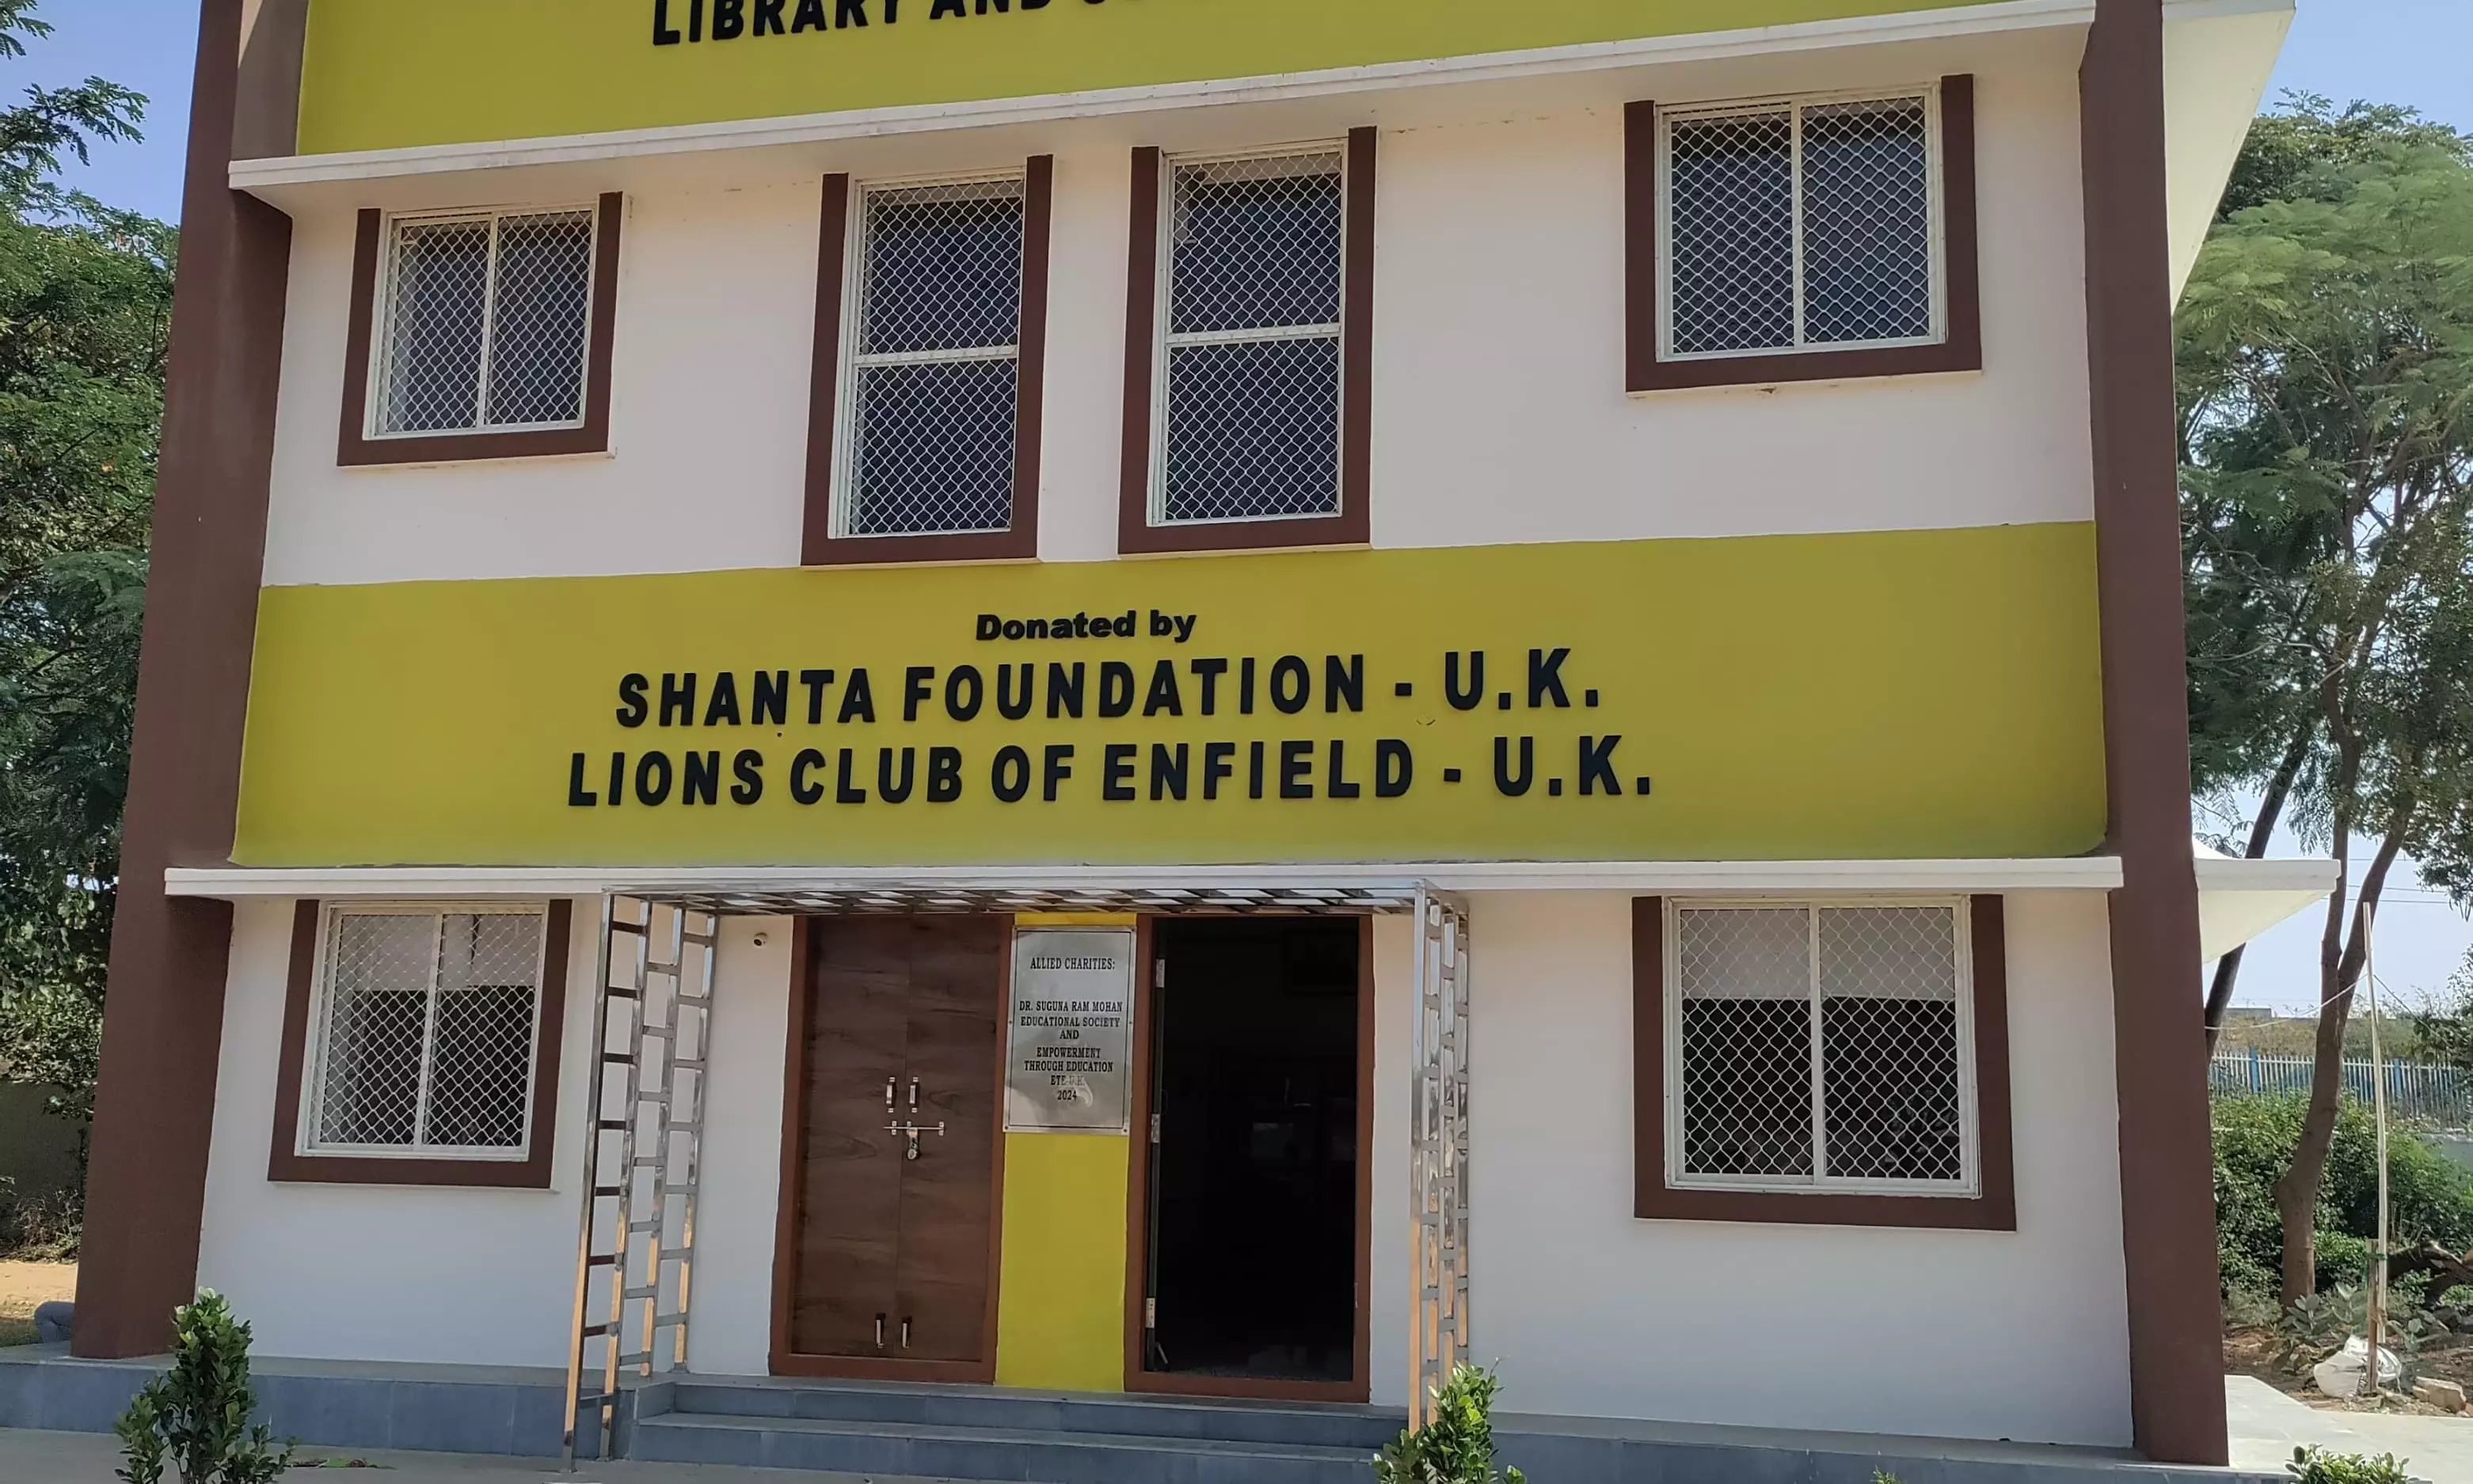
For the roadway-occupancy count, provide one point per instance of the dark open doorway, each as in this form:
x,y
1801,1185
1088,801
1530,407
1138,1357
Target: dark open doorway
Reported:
x,y
1254,1195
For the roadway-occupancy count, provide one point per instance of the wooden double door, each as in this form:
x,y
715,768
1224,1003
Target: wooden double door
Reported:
x,y
895,1159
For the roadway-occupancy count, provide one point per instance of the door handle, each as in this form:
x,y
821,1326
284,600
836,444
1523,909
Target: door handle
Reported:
x,y
905,1331
879,1331
888,1094
912,1130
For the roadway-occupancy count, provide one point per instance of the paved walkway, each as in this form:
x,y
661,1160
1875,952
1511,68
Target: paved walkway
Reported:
x,y
2267,1426
89,1459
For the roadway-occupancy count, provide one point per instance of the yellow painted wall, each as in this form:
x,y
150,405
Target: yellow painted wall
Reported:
x,y
384,74
1891,694
1061,1306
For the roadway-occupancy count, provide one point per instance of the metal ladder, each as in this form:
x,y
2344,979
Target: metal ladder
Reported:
x,y
643,1145
1438,1150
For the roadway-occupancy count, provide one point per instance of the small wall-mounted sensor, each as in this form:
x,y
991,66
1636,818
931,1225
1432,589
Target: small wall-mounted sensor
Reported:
x,y
759,939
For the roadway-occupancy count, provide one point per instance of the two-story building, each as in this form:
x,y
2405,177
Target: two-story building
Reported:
x,y
874,718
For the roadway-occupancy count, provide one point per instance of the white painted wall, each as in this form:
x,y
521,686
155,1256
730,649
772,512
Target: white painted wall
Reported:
x,y
420,1273
2021,1335
1591,1311
1500,413
424,1273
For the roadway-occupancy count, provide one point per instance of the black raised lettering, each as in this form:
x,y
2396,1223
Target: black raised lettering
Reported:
x,y
771,706
748,768
618,793
1010,707
579,796
815,680
1064,691
632,709
843,774
702,781
653,779
663,33
1296,770
945,8
918,683
1218,761
1168,770
810,16
858,702
1115,688
729,19
722,710
1395,766
1209,671
678,700
1055,767
1597,765
1343,685
1503,781
1464,700
1164,695
964,692
850,12
1254,769
1546,676
1291,684
888,788
807,762
1337,784
768,18
944,774
1117,772
1009,778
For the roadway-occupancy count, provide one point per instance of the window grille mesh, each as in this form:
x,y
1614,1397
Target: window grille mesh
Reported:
x,y
1255,267
428,1032
488,321
1867,230
1732,233
939,318
1798,226
1866,996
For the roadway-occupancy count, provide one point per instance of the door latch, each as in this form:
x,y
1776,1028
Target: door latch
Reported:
x,y
912,1130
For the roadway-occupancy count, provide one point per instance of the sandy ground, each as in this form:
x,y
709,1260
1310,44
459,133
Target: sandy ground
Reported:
x,y
25,1284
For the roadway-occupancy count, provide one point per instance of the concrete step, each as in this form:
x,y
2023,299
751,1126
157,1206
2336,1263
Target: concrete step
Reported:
x,y
1360,1430
1036,1457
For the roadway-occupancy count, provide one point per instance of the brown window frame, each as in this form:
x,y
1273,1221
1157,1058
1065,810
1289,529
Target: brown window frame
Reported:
x,y
1994,1206
1961,349
356,448
287,1164
818,546
1350,525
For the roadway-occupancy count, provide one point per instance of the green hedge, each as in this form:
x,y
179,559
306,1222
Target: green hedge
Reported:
x,y
2254,1140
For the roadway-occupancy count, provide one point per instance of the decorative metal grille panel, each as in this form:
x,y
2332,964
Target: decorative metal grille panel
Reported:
x,y
936,360
1256,273
1821,1044
1438,1152
427,1038
487,323
1800,227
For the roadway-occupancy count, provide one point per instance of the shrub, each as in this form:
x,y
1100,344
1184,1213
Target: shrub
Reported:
x,y
1456,1444
197,1414
2255,1139
2315,1464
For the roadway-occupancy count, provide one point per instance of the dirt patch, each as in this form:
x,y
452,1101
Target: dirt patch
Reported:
x,y
25,1284
2249,1350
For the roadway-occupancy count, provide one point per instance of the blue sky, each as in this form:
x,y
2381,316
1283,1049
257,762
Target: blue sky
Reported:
x,y
2387,51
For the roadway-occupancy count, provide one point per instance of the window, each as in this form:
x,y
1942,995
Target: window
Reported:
x,y
1251,301
934,385
422,1033
1846,1056
481,334
1806,237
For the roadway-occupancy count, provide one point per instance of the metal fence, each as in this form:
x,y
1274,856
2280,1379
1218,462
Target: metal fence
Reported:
x,y
2416,1089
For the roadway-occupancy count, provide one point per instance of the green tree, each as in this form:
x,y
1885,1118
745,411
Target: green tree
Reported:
x,y
2326,375
85,322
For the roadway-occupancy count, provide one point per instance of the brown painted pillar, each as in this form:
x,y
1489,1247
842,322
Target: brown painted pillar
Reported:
x,y
2167,1170
163,1017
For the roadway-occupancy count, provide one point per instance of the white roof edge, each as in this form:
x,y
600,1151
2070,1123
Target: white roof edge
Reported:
x,y
2235,873
2091,873
1960,20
